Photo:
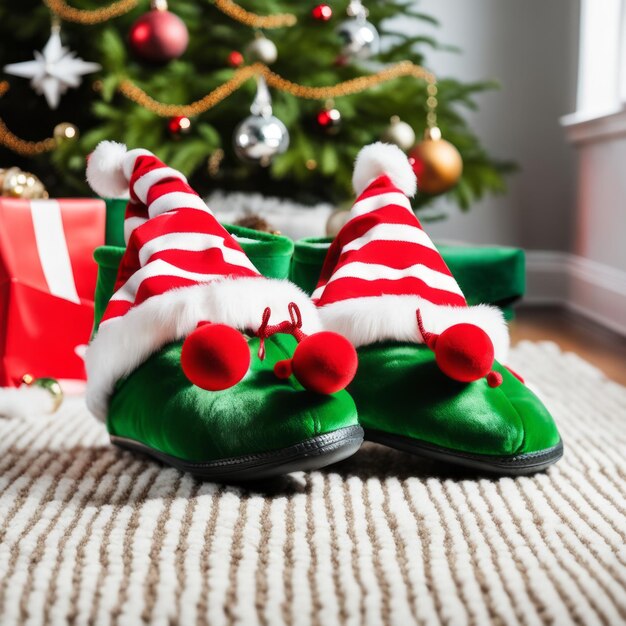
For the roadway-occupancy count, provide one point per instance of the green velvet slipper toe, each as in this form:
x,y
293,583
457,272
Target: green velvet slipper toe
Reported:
x,y
406,402
262,427
203,355
430,379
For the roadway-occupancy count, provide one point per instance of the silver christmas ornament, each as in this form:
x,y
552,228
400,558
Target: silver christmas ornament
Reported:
x,y
360,37
261,136
399,133
262,49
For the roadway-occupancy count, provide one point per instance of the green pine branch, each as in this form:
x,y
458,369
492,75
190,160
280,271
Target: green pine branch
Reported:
x,y
307,55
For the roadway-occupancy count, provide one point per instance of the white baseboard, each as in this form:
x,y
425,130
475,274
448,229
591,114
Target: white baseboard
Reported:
x,y
592,289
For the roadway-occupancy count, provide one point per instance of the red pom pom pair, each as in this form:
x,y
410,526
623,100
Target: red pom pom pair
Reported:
x,y
463,352
216,356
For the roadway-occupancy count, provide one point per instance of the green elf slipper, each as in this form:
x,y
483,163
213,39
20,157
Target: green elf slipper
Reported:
x,y
430,379
199,360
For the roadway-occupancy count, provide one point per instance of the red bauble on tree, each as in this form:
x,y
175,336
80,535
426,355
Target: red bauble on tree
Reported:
x,y
179,125
235,58
159,36
322,12
329,120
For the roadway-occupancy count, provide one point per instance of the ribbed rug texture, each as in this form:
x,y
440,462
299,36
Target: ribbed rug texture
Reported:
x,y
90,534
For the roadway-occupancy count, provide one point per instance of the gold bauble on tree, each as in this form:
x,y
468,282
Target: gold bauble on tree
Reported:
x,y
65,132
15,183
436,162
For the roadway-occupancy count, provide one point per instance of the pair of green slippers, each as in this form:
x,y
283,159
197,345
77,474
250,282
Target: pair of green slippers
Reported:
x,y
264,426
381,284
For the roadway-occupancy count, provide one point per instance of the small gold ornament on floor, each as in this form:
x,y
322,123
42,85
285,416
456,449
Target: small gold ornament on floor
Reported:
x,y
15,183
51,385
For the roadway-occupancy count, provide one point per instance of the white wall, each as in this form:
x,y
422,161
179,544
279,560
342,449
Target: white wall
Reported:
x,y
530,47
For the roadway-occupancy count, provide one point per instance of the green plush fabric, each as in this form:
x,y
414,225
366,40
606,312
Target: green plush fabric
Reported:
x,y
399,389
158,406
486,274
116,210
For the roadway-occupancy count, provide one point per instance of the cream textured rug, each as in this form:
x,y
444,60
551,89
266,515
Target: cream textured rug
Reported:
x,y
93,535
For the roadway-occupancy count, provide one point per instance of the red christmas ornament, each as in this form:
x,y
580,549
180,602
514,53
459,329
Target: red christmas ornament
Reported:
x,y
322,12
464,352
179,124
324,362
329,120
235,58
159,35
215,356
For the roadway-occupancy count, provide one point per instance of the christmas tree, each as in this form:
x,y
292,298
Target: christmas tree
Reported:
x,y
292,46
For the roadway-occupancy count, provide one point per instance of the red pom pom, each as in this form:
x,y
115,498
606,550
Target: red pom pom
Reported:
x,y
464,352
494,379
215,357
282,369
325,362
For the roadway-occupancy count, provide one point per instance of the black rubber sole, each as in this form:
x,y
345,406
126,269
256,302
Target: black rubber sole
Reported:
x,y
517,465
311,454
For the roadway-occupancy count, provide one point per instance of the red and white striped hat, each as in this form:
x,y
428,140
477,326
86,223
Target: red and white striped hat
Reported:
x,y
181,267
383,267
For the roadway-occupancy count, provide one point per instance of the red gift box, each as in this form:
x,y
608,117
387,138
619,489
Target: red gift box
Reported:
x,y
47,284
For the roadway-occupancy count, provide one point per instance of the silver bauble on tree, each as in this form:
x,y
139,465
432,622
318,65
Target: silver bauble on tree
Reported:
x,y
360,37
261,136
262,49
399,133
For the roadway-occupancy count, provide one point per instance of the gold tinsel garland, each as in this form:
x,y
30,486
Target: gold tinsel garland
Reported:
x,y
120,7
355,85
136,94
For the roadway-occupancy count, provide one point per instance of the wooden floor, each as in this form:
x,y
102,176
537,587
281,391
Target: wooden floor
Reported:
x,y
574,333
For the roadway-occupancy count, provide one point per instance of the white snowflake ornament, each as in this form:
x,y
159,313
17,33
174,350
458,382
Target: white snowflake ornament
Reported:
x,y
54,69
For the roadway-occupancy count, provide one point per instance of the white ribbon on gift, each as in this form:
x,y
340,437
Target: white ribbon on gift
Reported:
x,y
52,249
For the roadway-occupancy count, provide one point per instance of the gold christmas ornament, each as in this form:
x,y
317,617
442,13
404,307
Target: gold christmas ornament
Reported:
x,y
15,183
51,385
65,132
436,162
